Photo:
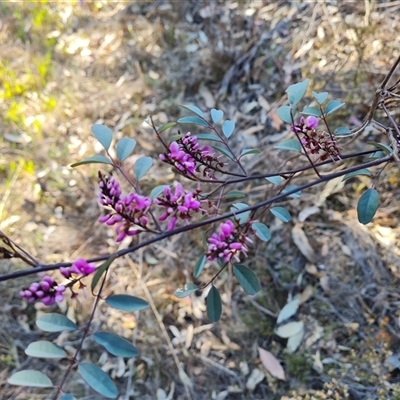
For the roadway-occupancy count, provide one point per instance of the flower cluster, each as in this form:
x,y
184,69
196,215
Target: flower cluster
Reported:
x,y
179,204
48,291
188,156
129,213
314,142
79,267
227,243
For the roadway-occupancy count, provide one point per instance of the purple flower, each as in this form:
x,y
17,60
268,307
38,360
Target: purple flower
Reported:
x,y
47,291
228,243
178,204
311,122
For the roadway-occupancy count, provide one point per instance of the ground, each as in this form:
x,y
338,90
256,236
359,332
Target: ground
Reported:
x,y
65,66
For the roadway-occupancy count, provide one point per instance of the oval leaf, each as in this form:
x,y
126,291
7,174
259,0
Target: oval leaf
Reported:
x,y
142,165
199,266
216,115
312,111
103,134
242,217
320,97
244,152
30,378
45,349
157,191
342,130
384,147
193,109
186,290
98,380
125,147
291,144
100,271
288,311
284,113
55,323
332,106
262,231
297,91
290,188
228,127
235,194
224,151
276,180
247,279
126,302
67,396
115,344
271,364
214,305
289,329
367,206
192,120
363,171
166,126
208,136
93,160
294,341
281,213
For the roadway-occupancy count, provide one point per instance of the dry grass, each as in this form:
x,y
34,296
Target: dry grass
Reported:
x,y
65,66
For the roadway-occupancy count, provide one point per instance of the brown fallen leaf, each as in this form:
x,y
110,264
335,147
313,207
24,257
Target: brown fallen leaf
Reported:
x,y
301,241
271,364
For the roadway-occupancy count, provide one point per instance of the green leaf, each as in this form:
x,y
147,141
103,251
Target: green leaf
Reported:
x,y
288,311
228,127
45,349
208,136
235,194
55,323
294,195
166,126
384,147
214,305
98,380
284,113
116,345
297,91
93,160
244,216
216,115
363,171
199,266
125,302
262,231
244,152
320,97
125,146
281,213
276,180
30,378
342,130
332,106
247,279
186,290
312,111
367,206
193,109
291,144
224,151
192,120
103,134
376,155
157,191
289,329
67,396
174,138
142,165
100,271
